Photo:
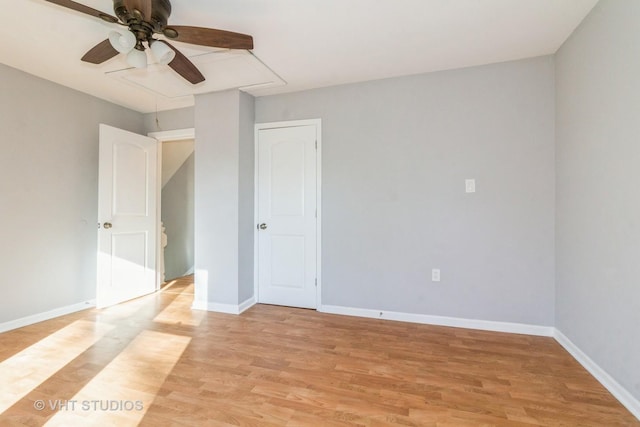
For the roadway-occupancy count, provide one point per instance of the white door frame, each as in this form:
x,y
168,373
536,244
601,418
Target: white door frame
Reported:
x,y
165,136
286,124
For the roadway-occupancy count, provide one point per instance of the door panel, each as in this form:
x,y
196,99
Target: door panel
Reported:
x,y
287,261
127,214
287,179
287,206
129,264
130,172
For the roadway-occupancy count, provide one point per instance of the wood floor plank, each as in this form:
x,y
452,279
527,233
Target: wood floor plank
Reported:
x,y
279,366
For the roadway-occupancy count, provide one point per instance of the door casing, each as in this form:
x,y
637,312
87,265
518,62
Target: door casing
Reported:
x,y
165,136
285,124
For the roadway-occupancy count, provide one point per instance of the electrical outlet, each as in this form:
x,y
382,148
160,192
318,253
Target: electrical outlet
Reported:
x,y
435,275
470,185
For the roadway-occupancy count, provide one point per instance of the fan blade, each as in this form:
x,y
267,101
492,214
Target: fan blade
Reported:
x,y
209,37
100,53
84,9
142,6
185,68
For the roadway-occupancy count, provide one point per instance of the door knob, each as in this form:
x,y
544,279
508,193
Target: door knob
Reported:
x,y
107,225
263,226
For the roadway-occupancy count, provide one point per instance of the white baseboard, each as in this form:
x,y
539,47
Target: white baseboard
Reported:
x,y
485,325
224,308
246,305
199,305
41,317
614,387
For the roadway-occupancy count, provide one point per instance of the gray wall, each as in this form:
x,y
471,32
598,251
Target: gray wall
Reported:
x,y
169,120
216,198
48,192
177,217
246,197
395,156
222,178
598,202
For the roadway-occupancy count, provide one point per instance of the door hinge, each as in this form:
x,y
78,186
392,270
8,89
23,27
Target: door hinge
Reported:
x,y
316,283
316,144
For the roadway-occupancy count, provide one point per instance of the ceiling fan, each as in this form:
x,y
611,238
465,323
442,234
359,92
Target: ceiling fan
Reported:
x,y
145,19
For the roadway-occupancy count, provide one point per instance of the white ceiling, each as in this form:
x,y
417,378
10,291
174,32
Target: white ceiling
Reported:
x,y
305,43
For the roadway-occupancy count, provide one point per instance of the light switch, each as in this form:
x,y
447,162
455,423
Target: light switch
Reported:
x,y
470,185
435,275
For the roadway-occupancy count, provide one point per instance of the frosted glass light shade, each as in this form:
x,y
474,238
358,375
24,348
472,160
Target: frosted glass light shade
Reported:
x,y
163,53
123,42
137,58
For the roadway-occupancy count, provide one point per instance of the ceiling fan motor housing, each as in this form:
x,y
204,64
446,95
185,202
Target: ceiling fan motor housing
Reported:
x,y
160,12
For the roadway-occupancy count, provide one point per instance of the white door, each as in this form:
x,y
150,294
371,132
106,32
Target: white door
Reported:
x,y
287,223
127,202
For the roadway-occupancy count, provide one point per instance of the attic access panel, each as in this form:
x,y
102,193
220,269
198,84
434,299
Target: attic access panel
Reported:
x,y
227,69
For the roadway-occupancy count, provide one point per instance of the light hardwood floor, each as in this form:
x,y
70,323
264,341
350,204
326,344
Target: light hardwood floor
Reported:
x,y
155,362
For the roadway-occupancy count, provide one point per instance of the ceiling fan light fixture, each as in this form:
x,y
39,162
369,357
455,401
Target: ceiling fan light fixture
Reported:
x,y
144,19
162,52
123,42
137,58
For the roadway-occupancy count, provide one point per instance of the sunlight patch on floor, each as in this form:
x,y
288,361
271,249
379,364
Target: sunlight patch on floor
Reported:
x,y
169,285
26,370
123,310
125,389
179,312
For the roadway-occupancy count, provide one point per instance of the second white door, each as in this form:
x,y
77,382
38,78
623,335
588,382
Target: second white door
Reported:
x,y
287,216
